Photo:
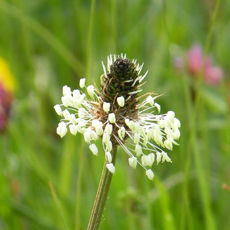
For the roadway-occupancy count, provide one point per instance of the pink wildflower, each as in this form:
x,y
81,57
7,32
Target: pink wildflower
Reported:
x,y
195,59
212,75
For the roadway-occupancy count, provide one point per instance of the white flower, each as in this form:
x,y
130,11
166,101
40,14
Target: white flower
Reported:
x,y
127,120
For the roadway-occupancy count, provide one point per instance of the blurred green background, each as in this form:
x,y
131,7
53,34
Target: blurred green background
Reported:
x,y
50,183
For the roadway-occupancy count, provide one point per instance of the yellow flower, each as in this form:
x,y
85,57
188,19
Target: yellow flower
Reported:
x,y
6,78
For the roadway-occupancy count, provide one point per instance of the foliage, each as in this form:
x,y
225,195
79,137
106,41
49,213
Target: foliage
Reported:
x,y
50,183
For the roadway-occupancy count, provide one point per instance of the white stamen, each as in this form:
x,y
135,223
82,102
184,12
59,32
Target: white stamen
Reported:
x,y
109,146
150,100
58,109
66,90
87,136
112,118
66,100
165,157
133,162
108,128
104,70
73,129
138,150
158,107
94,149
90,90
108,156
66,114
150,174
121,101
82,83
106,106
61,129
121,133
110,167
158,156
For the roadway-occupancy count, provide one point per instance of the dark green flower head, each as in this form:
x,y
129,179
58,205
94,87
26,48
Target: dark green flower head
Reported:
x,y
121,79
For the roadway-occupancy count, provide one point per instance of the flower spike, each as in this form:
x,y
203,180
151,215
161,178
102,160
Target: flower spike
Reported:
x,y
116,115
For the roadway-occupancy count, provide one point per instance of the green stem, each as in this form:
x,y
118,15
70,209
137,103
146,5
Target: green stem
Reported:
x,y
102,194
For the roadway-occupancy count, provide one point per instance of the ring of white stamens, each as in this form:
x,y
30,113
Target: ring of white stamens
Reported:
x,y
79,116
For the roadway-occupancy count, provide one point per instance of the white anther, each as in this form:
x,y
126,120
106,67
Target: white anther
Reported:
x,y
121,133
90,90
58,109
94,149
108,156
150,174
66,90
112,118
110,167
73,129
82,83
138,150
133,162
106,106
121,101
61,129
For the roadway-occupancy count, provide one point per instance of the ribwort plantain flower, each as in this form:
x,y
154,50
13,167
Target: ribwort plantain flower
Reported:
x,y
119,117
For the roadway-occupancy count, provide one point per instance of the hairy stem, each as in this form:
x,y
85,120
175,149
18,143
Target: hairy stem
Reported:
x,y
102,194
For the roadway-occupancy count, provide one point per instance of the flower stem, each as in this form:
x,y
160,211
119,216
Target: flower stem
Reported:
x,y
102,194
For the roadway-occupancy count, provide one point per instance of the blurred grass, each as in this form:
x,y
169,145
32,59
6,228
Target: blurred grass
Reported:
x,y
49,44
